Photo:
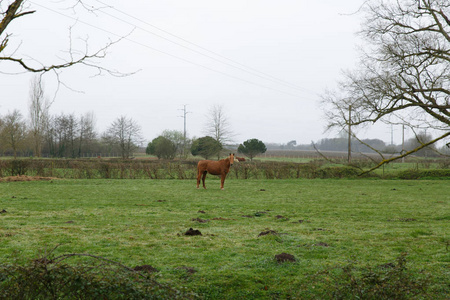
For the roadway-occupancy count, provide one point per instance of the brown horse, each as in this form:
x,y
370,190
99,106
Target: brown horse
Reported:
x,y
221,167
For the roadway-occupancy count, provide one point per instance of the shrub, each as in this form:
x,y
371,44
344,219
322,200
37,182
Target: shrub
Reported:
x,y
435,174
105,170
307,170
337,172
3,167
388,281
98,278
162,147
417,174
19,167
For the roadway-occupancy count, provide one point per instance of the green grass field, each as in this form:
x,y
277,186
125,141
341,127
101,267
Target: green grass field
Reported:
x,y
325,224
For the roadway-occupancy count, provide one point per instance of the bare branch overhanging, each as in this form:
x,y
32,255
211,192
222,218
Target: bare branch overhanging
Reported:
x,y
404,76
87,58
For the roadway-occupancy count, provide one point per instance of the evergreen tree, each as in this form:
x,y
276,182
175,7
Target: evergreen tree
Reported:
x,y
252,147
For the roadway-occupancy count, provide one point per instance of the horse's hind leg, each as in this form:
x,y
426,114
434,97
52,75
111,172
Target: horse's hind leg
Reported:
x,y
203,179
199,175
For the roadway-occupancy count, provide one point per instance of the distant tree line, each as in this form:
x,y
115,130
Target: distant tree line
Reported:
x,y
66,135
72,136
368,146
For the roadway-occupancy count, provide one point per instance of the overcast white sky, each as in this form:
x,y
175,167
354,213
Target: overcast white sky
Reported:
x,y
288,52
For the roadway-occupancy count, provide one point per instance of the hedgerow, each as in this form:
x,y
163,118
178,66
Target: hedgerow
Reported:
x,y
186,169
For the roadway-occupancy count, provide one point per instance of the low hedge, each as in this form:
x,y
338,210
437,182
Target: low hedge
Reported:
x,y
187,169
338,172
421,174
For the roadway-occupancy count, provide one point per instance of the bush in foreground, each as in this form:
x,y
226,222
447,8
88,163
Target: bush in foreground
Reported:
x,y
388,281
97,278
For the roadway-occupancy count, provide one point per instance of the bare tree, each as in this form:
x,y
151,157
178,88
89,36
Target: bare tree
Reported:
x,y
72,134
418,140
14,131
125,134
218,125
39,114
67,136
403,77
64,131
13,10
87,132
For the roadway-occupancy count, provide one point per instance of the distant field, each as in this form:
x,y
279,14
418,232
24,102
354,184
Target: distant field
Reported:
x,y
324,224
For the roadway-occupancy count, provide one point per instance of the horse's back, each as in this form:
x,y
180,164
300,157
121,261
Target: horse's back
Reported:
x,y
203,165
211,166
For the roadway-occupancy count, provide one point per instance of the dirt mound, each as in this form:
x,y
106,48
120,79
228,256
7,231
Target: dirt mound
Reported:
x,y
285,257
193,232
25,178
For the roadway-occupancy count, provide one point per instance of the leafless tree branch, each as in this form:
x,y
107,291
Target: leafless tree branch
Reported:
x,y
385,161
87,58
404,75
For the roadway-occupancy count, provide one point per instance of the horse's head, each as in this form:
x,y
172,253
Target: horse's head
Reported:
x,y
231,159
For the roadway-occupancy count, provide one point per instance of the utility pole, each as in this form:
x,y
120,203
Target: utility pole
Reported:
x,y
349,154
403,139
184,131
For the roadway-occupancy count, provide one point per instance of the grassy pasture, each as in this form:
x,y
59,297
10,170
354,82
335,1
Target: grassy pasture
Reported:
x,y
323,223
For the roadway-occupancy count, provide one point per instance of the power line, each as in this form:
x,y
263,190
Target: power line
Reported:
x,y
167,54
239,66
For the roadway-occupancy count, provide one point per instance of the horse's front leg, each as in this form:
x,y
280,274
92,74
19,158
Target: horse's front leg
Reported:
x,y
203,179
222,181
